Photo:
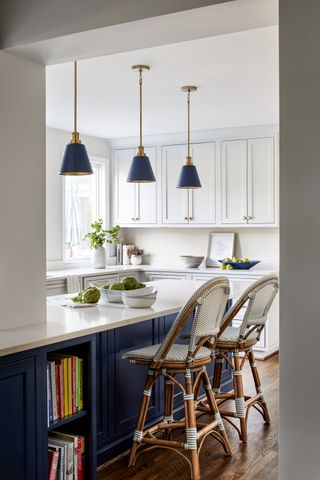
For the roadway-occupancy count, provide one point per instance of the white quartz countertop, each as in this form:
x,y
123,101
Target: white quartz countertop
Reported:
x,y
84,271
65,323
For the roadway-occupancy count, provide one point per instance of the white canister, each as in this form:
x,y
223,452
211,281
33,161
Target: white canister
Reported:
x,y
99,258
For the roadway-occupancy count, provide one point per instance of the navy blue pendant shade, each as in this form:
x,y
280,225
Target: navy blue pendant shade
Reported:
x,y
75,160
140,170
189,177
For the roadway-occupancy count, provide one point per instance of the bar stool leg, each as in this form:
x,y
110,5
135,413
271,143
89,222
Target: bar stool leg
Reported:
x,y
191,427
137,436
258,386
239,397
217,375
168,405
214,408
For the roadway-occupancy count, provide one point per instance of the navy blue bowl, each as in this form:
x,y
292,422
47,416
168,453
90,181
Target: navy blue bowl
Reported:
x,y
241,265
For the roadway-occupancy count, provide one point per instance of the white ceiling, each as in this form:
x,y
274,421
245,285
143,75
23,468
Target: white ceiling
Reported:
x,y
237,76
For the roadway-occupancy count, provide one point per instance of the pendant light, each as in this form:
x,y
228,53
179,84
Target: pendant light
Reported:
x,y
75,159
140,170
189,177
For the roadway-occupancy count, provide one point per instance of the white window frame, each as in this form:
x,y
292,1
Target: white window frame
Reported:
x,y
104,183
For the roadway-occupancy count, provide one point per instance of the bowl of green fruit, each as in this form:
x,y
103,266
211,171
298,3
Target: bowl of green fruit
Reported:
x,y
238,263
111,293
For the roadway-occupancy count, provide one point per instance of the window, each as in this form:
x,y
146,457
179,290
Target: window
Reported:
x,y
84,202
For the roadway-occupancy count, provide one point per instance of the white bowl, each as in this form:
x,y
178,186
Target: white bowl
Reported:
x,y
111,296
191,261
140,301
138,292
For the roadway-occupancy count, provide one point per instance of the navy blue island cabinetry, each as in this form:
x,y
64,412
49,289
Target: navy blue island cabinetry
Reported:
x,y
112,393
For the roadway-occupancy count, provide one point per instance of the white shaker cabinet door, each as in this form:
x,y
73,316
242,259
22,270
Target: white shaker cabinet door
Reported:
x,y
261,184
134,203
174,200
202,201
234,182
124,192
146,195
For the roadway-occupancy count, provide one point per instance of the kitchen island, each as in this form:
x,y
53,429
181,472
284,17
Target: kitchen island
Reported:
x,y
112,387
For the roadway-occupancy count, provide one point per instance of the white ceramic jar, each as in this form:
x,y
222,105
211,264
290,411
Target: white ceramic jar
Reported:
x,y
136,259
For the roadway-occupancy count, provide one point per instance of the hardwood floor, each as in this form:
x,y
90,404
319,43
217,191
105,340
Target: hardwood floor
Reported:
x,y
258,460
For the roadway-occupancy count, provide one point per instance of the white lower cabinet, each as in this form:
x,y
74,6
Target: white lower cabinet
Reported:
x,y
99,280
164,276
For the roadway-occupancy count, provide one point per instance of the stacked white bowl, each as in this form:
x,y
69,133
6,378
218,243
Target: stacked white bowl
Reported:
x,y
140,298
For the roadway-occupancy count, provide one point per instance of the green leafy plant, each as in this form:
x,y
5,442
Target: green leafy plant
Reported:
x,y
98,235
113,235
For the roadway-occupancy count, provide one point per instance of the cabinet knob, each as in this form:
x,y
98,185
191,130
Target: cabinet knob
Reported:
x,y
133,218
250,218
186,218
190,218
137,218
244,217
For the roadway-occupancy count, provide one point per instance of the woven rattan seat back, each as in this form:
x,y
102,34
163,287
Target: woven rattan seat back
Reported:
x,y
258,297
209,304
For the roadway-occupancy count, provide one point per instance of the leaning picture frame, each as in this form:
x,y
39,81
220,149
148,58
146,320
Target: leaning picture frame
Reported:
x,y
220,246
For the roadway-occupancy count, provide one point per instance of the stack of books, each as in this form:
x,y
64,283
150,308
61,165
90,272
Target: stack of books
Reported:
x,y
64,386
65,456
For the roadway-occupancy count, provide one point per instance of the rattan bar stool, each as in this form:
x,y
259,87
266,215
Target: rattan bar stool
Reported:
x,y
231,340
168,360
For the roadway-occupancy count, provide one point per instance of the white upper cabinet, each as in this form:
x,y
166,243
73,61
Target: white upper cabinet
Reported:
x,y
238,178
174,200
234,182
248,182
202,201
261,185
133,203
183,206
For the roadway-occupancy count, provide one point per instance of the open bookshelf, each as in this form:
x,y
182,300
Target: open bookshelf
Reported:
x,y
70,414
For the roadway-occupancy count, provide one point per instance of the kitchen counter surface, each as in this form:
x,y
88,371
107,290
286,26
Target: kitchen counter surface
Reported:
x,y
65,323
84,271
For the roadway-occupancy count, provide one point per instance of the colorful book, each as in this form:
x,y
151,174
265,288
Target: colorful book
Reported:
x,y
53,390
61,474
80,383
81,450
53,458
65,387
77,384
69,360
58,394
74,384
66,441
49,394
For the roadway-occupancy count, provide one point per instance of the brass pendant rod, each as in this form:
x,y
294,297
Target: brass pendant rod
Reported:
x,y
75,95
188,101
140,90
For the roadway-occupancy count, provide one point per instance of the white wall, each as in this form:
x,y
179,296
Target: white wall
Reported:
x,y
165,245
300,240
22,192
56,142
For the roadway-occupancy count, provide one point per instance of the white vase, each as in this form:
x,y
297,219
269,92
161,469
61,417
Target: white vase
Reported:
x,y
136,259
99,258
